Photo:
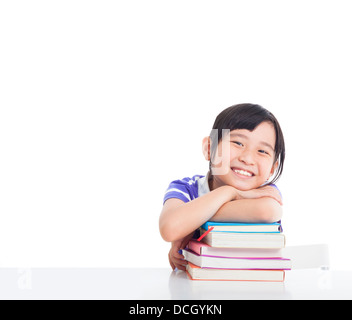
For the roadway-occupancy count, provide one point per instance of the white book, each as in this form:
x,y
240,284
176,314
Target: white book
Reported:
x,y
244,240
197,273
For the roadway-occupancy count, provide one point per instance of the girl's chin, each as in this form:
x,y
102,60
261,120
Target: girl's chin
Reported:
x,y
243,186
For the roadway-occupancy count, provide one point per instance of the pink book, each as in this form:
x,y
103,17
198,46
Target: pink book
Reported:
x,y
247,263
202,249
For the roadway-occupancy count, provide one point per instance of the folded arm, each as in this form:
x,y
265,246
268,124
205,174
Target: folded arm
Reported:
x,y
178,219
261,210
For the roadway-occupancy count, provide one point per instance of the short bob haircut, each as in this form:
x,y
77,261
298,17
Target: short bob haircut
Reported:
x,y
249,116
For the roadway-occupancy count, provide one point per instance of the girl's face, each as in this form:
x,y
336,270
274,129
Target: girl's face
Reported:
x,y
245,159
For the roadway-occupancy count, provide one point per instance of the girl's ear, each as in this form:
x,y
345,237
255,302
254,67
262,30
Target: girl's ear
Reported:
x,y
206,148
273,168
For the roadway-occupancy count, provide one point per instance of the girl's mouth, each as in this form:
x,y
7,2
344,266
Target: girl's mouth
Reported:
x,y
242,173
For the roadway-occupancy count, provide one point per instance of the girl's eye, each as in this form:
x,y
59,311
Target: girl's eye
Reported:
x,y
238,143
263,151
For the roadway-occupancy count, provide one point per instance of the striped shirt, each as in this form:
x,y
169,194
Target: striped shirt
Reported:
x,y
188,189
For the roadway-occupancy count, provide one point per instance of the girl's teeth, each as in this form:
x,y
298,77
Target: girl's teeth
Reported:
x,y
245,173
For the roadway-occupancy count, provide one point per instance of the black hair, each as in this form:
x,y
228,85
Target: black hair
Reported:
x,y
249,116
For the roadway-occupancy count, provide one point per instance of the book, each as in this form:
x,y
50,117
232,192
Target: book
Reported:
x,y
196,273
205,261
244,240
202,248
242,227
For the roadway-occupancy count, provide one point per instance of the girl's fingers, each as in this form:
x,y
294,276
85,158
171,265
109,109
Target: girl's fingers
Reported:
x,y
277,199
183,268
176,253
181,265
178,263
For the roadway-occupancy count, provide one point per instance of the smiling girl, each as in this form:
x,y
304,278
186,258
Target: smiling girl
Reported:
x,y
245,150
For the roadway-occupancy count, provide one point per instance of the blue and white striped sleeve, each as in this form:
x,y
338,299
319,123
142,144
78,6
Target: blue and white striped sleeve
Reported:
x,y
185,189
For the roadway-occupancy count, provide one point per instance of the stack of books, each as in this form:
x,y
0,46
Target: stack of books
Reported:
x,y
237,251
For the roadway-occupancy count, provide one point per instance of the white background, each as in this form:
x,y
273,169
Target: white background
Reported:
x,y
104,103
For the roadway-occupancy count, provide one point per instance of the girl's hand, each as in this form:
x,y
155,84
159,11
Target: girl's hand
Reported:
x,y
266,191
176,259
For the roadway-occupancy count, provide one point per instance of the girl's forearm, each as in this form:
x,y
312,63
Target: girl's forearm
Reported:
x,y
180,221
261,210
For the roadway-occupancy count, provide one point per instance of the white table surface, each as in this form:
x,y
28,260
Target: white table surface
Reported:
x,y
153,283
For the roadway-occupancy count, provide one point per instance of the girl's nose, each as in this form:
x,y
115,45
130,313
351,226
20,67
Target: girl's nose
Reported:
x,y
246,158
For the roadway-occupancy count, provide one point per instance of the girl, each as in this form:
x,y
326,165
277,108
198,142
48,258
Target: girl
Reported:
x,y
245,149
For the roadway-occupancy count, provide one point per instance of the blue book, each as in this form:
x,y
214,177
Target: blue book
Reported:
x,y
243,227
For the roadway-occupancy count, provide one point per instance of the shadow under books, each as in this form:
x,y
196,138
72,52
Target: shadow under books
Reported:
x,y
181,287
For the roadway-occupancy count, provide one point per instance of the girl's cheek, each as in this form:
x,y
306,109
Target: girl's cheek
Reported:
x,y
233,154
